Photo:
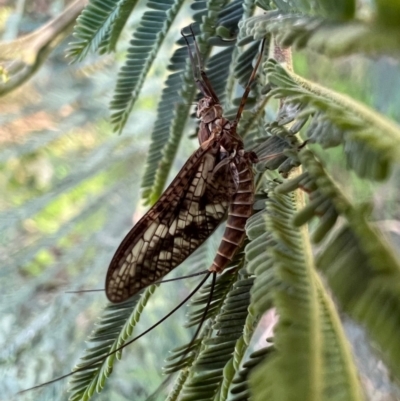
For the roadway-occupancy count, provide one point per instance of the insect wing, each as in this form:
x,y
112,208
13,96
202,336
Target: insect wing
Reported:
x,y
183,218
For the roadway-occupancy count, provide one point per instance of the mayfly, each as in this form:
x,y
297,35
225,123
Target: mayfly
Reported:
x,y
216,179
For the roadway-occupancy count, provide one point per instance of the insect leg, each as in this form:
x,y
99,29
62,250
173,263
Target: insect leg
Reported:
x,y
192,62
199,60
199,74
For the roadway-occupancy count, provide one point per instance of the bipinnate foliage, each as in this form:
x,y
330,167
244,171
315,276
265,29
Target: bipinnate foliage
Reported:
x,y
299,204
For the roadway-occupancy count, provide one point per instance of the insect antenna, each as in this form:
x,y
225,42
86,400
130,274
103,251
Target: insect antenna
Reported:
x,y
199,75
100,360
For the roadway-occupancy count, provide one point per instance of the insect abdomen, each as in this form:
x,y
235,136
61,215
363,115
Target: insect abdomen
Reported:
x,y
240,209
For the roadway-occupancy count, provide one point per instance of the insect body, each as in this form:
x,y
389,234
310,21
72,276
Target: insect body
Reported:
x,y
216,177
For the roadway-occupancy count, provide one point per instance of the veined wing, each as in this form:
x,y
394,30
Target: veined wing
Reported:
x,y
183,218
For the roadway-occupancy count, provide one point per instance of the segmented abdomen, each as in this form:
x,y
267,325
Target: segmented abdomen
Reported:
x,y
240,209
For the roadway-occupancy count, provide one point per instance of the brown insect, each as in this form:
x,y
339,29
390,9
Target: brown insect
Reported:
x,y
217,178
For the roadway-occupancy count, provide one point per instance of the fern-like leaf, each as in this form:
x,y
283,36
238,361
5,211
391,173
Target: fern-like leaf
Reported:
x,y
93,26
206,377
335,33
285,278
371,142
240,390
114,328
141,53
365,258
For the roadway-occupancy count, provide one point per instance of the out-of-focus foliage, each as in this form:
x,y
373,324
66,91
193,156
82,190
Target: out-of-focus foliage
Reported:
x,y
68,192
69,187
21,57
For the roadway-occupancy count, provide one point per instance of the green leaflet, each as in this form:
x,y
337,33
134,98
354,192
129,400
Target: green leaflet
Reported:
x,y
113,329
144,46
302,363
361,268
332,31
209,367
93,26
371,142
